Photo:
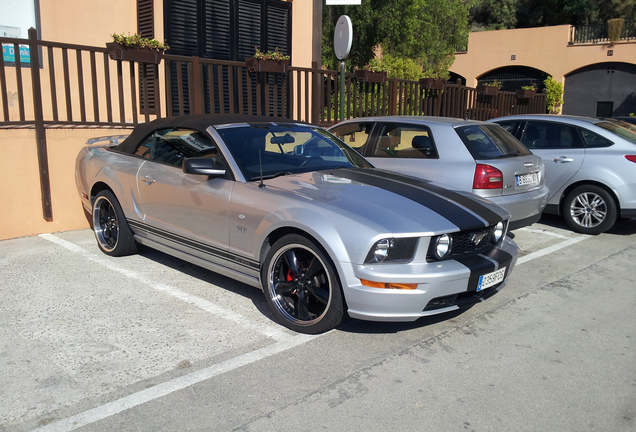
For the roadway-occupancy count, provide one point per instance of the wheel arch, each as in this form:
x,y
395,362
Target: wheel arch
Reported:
x,y
574,185
281,232
98,187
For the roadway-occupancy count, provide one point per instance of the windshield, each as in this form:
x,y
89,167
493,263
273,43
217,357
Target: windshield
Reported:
x,y
278,149
622,129
490,142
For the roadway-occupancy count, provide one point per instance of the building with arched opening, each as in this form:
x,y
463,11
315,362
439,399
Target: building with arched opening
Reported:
x,y
599,77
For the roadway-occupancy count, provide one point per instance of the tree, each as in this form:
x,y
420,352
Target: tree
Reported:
x,y
427,31
494,14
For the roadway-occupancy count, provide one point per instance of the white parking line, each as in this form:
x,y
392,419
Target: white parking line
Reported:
x,y
550,249
277,334
546,232
164,389
168,387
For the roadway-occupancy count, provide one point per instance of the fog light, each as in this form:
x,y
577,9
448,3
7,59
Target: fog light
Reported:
x,y
499,231
443,246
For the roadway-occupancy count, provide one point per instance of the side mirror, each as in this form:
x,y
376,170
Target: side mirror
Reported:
x,y
202,166
299,150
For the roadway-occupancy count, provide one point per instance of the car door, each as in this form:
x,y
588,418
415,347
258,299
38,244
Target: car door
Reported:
x,y
184,211
561,149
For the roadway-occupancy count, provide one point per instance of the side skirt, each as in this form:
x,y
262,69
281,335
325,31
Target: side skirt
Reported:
x,y
242,277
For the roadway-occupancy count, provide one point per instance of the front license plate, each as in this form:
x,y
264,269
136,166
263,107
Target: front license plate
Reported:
x,y
528,179
490,279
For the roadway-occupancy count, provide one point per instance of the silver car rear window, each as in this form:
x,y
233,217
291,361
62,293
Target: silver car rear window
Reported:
x,y
486,142
622,129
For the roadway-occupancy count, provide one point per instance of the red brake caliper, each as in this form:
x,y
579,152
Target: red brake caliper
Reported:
x,y
290,277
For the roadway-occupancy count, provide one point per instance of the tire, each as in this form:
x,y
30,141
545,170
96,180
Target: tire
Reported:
x,y
589,209
301,286
114,236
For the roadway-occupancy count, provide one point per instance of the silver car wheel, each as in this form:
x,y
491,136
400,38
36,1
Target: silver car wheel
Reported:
x,y
105,224
588,209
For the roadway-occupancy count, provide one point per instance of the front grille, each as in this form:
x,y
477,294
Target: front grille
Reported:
x,y
462,300
466,243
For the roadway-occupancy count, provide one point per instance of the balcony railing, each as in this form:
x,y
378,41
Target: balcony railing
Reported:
x,y
598,33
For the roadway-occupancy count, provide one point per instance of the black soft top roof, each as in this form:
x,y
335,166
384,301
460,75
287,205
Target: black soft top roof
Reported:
x,y
198,122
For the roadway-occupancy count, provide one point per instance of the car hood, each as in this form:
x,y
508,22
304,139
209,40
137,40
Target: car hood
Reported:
x,y
396,202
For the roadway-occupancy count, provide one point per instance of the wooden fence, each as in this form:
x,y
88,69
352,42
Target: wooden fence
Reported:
x,y
47,85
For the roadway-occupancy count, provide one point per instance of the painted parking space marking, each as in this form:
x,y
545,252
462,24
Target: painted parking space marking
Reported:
x,y
553,248
545,232
275,333
168,387
284,341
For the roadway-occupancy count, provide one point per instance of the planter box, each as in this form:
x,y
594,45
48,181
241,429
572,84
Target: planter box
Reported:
x,y
487,90
525,94
272,66
432,83
141,55
371,77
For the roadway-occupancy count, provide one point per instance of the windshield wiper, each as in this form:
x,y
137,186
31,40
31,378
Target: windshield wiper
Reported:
x,y
270,176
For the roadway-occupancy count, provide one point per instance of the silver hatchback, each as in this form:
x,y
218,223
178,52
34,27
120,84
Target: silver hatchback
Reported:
x,y
590,166
474,156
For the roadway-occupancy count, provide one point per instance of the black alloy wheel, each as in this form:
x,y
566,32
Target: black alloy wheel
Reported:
x,y
114,236
301,286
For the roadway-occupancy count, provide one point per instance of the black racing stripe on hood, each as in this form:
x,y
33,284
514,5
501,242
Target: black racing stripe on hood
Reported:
x,y
471,204
448,209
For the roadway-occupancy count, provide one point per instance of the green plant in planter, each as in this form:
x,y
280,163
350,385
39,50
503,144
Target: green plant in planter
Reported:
x,y
136,41
275,55
497,84
532,87
554,95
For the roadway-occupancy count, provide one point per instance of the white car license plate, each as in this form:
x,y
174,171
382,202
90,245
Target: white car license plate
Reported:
x,y
528,179
490,279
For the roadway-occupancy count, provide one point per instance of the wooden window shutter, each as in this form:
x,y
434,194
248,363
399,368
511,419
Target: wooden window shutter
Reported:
x,y
146,29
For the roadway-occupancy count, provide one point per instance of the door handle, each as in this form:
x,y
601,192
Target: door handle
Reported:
x,y
148,179
563,159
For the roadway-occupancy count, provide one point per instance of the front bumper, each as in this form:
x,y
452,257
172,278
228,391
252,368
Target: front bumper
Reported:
x,y
442,286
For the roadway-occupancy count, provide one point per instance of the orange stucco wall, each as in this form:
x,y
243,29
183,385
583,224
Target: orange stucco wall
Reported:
x,y
21,211
544,48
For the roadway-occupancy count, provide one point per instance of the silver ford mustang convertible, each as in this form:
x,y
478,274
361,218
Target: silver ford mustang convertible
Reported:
x,y
289,208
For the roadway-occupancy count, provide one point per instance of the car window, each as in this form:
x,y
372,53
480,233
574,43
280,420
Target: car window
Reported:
x,y
509,126
171,146
549,135
355,135
399,140
622,129
593,140
490,142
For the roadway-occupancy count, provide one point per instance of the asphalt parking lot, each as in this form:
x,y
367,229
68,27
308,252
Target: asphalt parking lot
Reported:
x,y
150,342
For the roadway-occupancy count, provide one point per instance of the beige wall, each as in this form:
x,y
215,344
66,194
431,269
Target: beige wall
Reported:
x,y
21,211
544,48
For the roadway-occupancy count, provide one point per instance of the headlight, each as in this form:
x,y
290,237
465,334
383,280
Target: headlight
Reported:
x,y
392,250
498,232
443,246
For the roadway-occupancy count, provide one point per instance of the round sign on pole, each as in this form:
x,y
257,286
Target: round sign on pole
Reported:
x,y
342,37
